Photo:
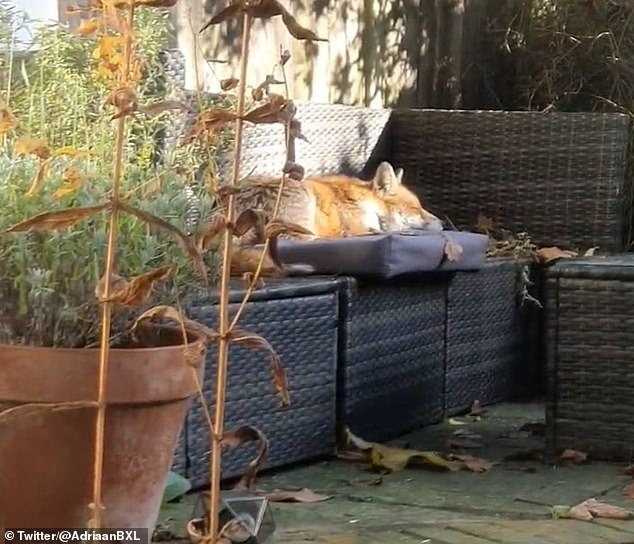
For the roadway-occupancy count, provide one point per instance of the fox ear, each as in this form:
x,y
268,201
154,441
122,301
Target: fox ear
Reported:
x,y
386,180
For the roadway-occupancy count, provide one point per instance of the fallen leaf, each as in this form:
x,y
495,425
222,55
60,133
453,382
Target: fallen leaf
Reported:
x,y
473,464
252,340
550,254
229,83
181,238
67,217
629,470
453,250
134,292
629,491
476,409
461,443
299,495
590,252
562,511
32,146
574,456
243,435
395,459
607,511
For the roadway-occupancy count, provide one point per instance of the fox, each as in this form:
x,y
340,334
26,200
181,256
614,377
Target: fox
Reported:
x,y
324,206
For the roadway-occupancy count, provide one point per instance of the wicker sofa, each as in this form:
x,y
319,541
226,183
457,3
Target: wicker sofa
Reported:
x,y
411,352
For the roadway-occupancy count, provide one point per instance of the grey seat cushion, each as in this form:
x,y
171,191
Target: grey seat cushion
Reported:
x,y
386,255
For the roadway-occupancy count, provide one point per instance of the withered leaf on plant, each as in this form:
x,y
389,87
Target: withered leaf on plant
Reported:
x,y
8,121
276,109
295,128
87,27
252,340
32,146
124,100
285,56
294,171
60,219
38,178
210,121
181,238
214,227
172,314
133,292
243,435
298,31
247,220
229,83
72,180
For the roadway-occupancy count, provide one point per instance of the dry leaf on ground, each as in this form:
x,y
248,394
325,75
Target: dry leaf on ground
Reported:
x,y
629,470
551,254
296,495
591,251
394,459
476,409
629,491
590,509
243,435
574,456
473,464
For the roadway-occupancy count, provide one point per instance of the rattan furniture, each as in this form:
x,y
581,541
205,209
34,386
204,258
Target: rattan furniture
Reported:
x,y
590,324
300,321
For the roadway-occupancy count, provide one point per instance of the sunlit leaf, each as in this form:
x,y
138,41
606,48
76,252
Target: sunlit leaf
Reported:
x,y
8,122
38,179
60,219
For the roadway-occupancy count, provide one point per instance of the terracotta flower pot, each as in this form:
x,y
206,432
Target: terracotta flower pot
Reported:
x,y
47,454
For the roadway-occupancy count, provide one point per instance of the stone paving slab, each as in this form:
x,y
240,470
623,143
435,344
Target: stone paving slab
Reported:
x,y
510,504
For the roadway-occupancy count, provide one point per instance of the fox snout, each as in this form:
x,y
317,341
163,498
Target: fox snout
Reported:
x,y
433,223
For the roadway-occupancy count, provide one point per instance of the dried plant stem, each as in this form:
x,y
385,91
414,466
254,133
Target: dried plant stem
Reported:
x,y
106,307
223,344
278,200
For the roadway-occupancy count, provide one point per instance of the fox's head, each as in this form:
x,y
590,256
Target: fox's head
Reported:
x,y
405,210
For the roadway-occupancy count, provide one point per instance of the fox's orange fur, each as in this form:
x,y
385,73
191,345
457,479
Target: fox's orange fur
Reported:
x,y
329,207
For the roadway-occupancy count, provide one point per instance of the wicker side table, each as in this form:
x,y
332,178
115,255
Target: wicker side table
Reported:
x,y
487,336
299,318
590,330
391,355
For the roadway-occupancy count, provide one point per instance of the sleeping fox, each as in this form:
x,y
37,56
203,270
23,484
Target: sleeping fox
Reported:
x,y
327,207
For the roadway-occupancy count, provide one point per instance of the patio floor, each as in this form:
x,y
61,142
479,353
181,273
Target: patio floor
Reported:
x,y
508,504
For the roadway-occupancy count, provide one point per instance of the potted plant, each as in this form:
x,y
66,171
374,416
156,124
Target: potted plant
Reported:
x,y
92,400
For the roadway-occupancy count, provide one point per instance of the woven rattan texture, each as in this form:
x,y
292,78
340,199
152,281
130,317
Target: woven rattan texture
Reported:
x,y
391,356
303,331
590,360
341,139
558,176
486,336
179,463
